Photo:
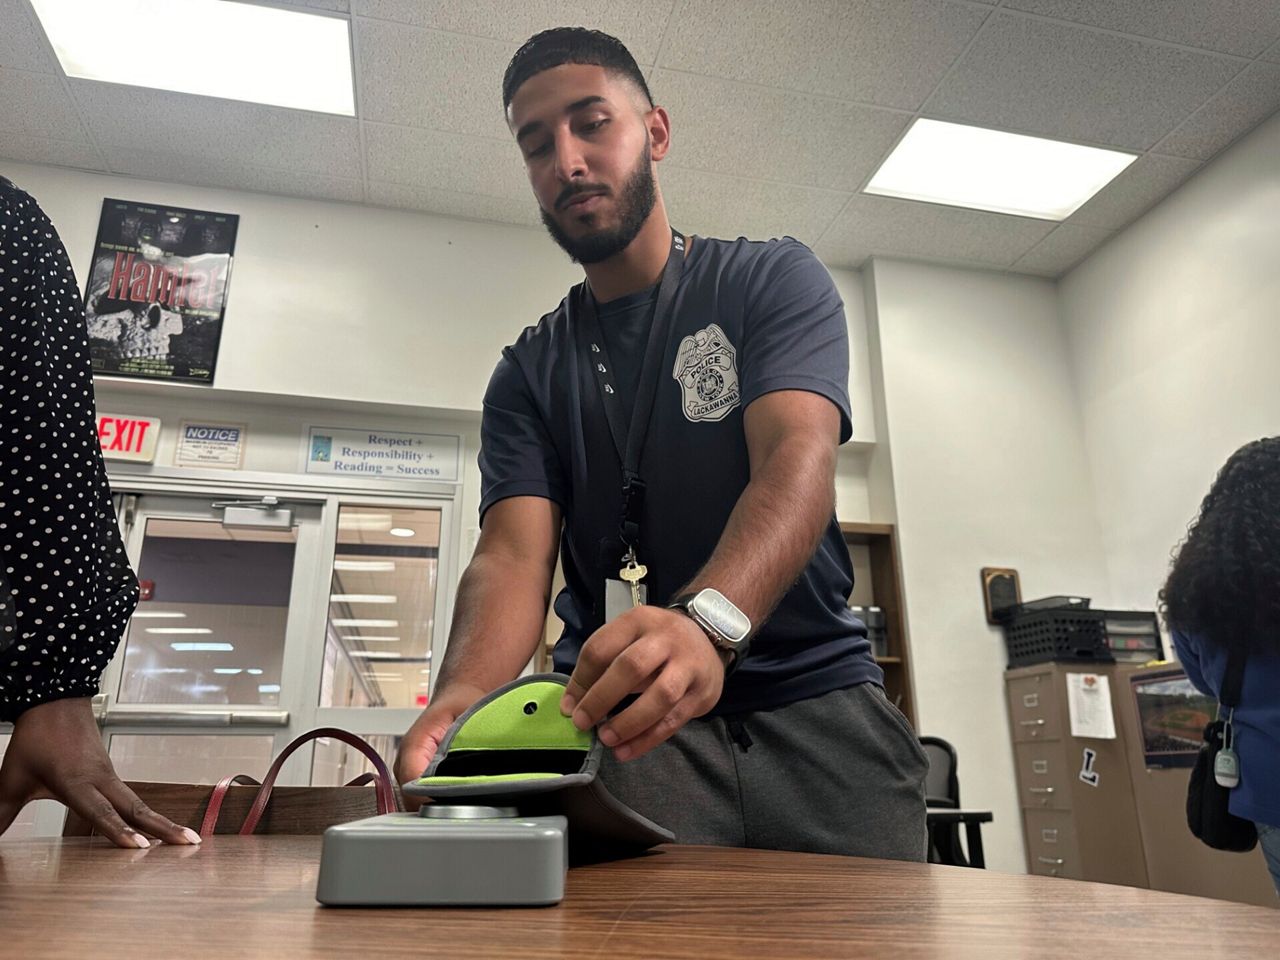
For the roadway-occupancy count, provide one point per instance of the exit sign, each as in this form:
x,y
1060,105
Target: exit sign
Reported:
x,y
128,438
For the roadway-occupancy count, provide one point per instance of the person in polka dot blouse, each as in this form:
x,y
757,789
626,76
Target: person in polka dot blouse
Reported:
x,y
66,587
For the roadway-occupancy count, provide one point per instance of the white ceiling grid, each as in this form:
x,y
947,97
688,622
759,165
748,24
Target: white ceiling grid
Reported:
x,y
781,111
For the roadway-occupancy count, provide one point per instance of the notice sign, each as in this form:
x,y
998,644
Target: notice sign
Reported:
x,y
1089,706
217,445
382,453
128,438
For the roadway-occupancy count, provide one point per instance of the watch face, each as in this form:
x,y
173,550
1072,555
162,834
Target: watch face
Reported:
x,y
726,619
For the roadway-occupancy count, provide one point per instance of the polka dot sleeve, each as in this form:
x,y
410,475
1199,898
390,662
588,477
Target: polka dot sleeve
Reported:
x,y
66,585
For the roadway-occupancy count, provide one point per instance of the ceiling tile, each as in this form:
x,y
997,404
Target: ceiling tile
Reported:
x,y
333,6
637,23
716,205
445,161
1245,102
1146,181
234,175
1061,250
59,153
449,203
37,105
880,225
22,44
794,137
1240,27
229,130
1073,83
425,78
886,52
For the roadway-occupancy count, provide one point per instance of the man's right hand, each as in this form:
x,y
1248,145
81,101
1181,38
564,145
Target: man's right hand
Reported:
x,y
422,740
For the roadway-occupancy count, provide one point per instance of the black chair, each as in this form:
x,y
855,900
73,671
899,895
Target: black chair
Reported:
x,y
942,798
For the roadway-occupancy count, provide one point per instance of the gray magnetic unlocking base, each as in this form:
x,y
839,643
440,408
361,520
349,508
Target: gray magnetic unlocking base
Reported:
x,y
445,856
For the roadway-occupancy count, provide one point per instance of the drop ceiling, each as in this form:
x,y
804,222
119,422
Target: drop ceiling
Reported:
x,y
781,111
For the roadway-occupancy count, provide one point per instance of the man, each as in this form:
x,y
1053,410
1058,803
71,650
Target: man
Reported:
x,y
673,424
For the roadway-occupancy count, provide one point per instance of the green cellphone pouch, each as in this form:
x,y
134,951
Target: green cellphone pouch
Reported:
x,y
514,748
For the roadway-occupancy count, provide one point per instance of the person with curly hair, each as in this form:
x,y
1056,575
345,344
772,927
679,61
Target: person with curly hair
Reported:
x,y
1223,593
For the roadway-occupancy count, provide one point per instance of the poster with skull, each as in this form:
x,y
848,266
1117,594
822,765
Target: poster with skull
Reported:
x,y
157,291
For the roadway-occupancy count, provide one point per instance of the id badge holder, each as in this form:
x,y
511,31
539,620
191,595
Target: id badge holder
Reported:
x,y
617,598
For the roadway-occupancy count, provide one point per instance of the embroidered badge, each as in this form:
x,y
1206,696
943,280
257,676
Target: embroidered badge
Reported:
x,y
707,371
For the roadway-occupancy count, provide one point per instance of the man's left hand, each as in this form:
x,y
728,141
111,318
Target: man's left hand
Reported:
x,y
658,653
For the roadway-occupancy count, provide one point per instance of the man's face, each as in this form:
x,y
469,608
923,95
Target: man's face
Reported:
x,y
584,135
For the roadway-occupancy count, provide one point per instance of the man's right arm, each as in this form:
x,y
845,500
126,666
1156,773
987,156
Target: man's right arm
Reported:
x,y
498,619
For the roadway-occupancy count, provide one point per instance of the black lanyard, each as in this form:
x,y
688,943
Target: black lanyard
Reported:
x,y
628,440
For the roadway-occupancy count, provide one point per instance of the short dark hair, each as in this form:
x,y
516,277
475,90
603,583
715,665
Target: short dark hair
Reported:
x,y
561,45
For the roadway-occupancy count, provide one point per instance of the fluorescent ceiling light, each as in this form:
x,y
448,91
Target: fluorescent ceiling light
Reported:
x,y
964,166
386,677
365,566
229,671
363,639
401,532
215,48
362,598
158,615
255,671
365,623
268,688
179,630
375,654
197,647
364,521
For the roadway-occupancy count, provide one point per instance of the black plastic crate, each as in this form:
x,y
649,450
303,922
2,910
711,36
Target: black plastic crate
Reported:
x,y
1063,634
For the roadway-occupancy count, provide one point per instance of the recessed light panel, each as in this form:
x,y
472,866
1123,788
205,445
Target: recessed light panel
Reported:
x,y
964,166
214,48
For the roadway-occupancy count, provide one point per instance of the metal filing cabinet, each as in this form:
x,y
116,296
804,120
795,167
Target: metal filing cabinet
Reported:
x,y
1072,828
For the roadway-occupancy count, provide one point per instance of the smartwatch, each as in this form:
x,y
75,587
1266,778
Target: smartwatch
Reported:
x,y
724,624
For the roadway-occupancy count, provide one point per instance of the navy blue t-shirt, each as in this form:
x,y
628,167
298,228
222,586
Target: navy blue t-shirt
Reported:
x,y
749,318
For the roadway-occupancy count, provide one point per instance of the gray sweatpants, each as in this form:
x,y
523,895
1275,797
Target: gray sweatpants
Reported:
x,y
840,773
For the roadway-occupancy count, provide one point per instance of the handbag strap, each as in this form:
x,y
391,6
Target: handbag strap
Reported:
x,y
210,822
1233,678
386,794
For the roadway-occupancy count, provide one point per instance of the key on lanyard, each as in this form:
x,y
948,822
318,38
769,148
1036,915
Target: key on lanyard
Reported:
x,y
633,572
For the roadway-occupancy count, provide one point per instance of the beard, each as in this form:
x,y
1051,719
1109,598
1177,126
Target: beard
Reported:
x,y
635,203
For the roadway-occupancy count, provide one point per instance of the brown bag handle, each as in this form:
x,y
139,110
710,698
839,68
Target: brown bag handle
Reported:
x,y
210,821
384,787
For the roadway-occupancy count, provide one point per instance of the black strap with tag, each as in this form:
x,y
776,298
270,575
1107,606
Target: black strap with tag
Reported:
x,y
628,439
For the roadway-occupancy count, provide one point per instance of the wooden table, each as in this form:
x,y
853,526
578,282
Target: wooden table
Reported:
x,y
238,897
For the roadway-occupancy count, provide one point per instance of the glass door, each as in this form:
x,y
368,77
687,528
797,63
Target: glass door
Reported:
x,y
381,638
209,678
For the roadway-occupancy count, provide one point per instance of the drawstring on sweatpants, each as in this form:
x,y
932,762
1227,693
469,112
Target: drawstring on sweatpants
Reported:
x,y
738,732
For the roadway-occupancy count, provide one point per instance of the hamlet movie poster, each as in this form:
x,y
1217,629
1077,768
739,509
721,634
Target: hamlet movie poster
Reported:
x,y
157,291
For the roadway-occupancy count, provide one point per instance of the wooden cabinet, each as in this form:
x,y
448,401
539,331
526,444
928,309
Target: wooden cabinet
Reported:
x,y
1085,828
874,548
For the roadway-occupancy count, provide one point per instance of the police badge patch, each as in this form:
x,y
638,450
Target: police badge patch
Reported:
x,y
707,371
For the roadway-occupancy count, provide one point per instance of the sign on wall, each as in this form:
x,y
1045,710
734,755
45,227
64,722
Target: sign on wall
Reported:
x,y
218,445
344,451
128,438
157,290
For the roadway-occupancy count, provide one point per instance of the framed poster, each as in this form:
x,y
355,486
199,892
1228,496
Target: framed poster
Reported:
x,y
157,290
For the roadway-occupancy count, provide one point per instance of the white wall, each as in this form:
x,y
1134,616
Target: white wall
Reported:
x,y
988,469
341,300
1174,330
350,302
